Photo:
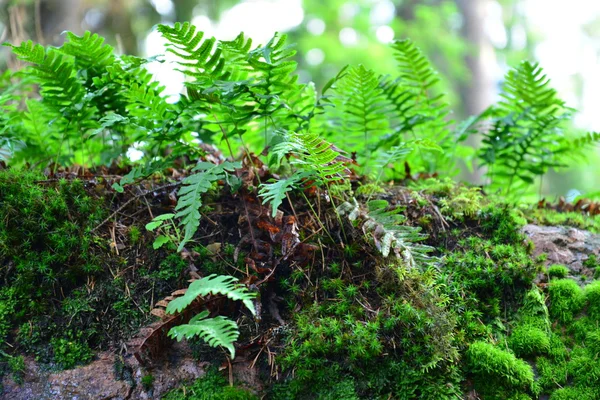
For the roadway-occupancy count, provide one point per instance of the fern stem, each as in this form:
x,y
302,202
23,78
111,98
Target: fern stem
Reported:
x,y
316,216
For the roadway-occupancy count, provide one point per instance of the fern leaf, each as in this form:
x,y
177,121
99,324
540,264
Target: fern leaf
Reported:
x,y
386,228
88,51
54,72
360,112
201,58
190,199
274,193
428,110
313,155
526,136
217,331
213,284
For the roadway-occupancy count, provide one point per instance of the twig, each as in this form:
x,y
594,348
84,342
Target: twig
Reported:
x,y
170,185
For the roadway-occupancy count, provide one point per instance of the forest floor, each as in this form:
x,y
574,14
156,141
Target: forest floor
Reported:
x,y
505,304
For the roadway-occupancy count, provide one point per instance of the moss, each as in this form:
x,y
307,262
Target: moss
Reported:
x,y
487,278
171,268
212,386
556,218
534,311
592,342
528,341
134,234
44,236
147,381
70,353
557,271
572,393
16,365
552,374
584,367
592,295
494,369
566,299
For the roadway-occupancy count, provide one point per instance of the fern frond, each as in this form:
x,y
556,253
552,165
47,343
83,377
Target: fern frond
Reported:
x,y
402,116
526,137
88,51
190,200
313,155
386,228
201,59
213,284
54,72
429,110
217,331
274,193
360,115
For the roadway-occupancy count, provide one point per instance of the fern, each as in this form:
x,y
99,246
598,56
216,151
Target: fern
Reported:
x,y
201,59
388,232
217,331
89,51
527,136
273,193
360,111
190,199
55,74
428,110
273,69
213,284
313,155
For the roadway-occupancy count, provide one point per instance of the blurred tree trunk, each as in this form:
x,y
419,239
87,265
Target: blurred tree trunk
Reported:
x,y
478,93
118,22
56,16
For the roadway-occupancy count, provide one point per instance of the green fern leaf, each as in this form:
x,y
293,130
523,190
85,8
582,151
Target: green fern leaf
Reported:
x,y
427,110
359,118
274,193
201,58
217,331
190,199
527,135
213,284
55,74
314,156
88,51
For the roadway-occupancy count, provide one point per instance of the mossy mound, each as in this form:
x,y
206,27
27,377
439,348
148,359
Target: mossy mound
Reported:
x,y
339,320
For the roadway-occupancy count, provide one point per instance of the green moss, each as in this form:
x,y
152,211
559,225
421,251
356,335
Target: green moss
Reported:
x,y
556,218
486,278
566,299
592,342
171,268
534,311
494,369
44,237
552,374
592,295
528,341
584,367
212,386
147,381
574,393
16,365
70,353
134,234
557,271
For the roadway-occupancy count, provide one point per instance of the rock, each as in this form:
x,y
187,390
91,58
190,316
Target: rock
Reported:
x,y
98,380
565,245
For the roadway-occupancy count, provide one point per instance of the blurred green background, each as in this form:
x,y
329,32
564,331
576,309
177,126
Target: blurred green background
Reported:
x,y
471,42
